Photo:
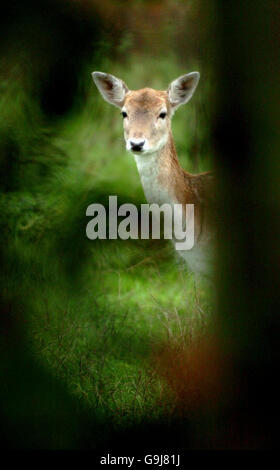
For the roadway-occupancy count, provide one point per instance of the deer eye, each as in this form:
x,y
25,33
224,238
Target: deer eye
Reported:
x,y
124,114
162,115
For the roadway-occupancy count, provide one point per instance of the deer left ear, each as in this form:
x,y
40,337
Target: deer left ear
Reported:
x,y
112,89
181,90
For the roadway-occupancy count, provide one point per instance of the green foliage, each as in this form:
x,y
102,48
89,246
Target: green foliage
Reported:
x,y
94,312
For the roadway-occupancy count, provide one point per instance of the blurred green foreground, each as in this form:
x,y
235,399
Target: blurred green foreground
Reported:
x,y
84,321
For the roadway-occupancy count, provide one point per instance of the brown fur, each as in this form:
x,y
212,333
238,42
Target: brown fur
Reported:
x,y
146,99
185,187
142,111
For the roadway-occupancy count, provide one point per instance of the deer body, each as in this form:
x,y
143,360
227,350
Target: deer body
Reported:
x,y
147,130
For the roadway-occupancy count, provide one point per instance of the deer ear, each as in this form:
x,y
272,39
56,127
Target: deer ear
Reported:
x,y
181,90
111,88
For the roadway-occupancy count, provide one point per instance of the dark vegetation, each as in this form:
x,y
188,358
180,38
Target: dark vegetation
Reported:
x,y
110,341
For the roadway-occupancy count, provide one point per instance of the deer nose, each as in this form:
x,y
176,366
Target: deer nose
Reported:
x,y
137,145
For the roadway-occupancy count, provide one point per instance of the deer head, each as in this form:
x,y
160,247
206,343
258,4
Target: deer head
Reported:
x,y
146,112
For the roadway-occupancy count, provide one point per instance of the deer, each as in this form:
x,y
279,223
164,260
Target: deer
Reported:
x,y
147,115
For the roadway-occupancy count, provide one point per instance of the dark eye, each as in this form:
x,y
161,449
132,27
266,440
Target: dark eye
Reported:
x,y
124,114
162,115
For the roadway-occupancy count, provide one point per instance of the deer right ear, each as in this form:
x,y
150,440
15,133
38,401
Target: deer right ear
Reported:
x,y
111,88
181,90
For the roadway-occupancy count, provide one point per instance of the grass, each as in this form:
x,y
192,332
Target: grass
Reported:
x,y
97,312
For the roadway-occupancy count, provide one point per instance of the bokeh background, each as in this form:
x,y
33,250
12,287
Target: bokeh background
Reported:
x,y
108,342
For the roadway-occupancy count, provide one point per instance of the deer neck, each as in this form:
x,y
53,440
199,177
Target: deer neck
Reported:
x,y
161,174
